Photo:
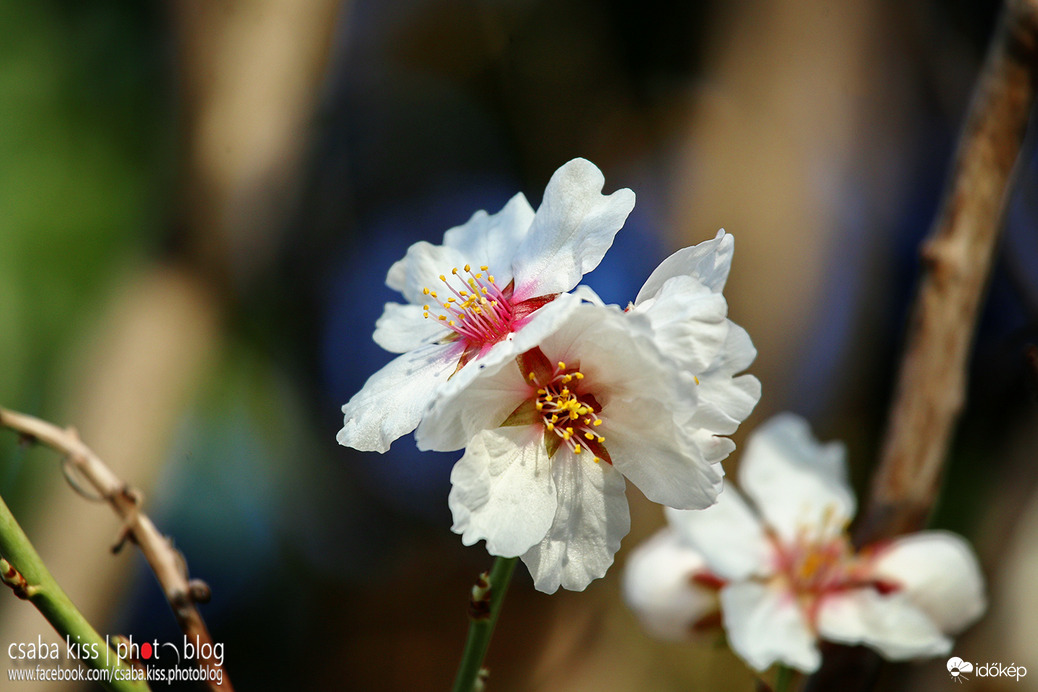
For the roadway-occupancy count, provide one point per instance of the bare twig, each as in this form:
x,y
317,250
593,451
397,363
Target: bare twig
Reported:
x,y
165,561
957,259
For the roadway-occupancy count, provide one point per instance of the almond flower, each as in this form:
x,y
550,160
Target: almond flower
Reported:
x,y
551,435
787,574
494,285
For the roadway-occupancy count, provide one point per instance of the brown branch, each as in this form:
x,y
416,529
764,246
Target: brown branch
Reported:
x,y
165,561
957,259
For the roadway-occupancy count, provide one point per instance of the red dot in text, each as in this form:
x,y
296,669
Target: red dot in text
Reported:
x,y
145,651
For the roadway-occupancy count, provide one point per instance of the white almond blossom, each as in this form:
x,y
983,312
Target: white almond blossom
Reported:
x,y
609,394
496,284
788,573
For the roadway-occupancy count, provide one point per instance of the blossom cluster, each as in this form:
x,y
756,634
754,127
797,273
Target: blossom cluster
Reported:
x,y
555,397
558,399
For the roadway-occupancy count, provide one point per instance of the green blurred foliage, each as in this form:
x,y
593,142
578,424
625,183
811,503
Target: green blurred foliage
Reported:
x,y
85,146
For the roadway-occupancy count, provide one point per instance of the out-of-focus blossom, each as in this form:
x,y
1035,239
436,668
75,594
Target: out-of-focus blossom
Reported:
x,y
497,283
788,572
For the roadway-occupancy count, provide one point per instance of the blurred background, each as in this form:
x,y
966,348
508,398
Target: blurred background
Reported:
x,y
199,201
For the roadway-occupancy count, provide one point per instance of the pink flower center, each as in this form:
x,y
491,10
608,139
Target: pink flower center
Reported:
x,y
477,310
825,563
561,403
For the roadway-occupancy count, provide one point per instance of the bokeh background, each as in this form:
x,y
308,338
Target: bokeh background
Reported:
x,y
199,201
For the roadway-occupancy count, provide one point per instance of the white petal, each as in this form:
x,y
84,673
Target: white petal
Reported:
x,y
939,573
502,491
392,401
890,624
485,391
403,328
591,518
707,262
421,268
658,586
766,626
796,482
736,354
728,535
689,321
712,448
492,240
640,404
725,402
587,294
571,231
647,446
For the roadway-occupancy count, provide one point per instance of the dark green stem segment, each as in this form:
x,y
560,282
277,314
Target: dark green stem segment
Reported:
x,y
784,679
35,583
486,606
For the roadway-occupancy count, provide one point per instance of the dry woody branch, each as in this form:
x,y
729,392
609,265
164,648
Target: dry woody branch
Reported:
x,y
165,561
957,257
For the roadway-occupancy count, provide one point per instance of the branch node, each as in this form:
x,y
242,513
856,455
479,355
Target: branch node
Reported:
x,y
479,605
14,579
199,591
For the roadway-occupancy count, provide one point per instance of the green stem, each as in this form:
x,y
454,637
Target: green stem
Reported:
x,y
784,679
481,624
35,583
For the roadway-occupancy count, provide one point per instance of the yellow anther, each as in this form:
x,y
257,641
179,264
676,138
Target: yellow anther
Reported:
x,y
589,436
532,377
483,267
451,323
550,427
601,439
573,415
562,366
432,293
547,397
454,271
542,392
451,300
696,379
442,318
460,293
554,418
579,375
597,422
443,278
597,460
468,268
425,314
566,434
539,406
490,278
479,276
577,449
566,379
425,291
